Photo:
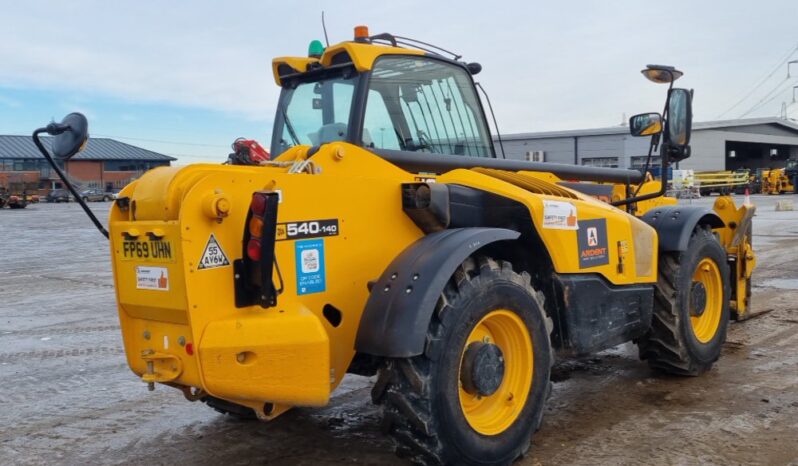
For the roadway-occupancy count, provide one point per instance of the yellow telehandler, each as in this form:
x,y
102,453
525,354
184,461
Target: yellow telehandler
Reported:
x,y
776,181
387,238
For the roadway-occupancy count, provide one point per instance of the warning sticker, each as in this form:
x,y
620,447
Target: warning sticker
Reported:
x,y
152,278
212,256
310,267
558,215
592,237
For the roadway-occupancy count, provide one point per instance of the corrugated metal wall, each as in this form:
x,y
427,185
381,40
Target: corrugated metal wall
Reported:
x,y
708,146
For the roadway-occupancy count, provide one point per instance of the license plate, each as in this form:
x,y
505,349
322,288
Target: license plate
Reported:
x,y
148,250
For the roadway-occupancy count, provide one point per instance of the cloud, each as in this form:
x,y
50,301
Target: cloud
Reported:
x,y
546,65
129,54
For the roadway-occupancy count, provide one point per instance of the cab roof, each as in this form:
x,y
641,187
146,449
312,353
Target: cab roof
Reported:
x,y
361,55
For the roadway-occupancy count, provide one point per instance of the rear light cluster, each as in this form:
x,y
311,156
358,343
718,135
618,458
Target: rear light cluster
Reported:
x,y
258,209
253,272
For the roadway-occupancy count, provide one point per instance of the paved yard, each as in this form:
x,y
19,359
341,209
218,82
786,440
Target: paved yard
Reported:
x,y
68,397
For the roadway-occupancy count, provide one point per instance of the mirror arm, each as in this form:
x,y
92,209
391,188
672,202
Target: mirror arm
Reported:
x,y
663,156
645,197
55,128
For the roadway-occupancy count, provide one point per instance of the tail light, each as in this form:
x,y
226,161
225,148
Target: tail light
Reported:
x,y
253,249
253,273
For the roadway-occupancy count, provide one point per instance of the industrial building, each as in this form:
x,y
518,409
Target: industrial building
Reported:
x,y
716,145
104,163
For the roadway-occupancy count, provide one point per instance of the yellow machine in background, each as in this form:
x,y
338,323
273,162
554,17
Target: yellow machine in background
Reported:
x,y
775,181
387,238
721,182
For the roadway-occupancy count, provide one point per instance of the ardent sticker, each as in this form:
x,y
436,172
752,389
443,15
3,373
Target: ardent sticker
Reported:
x,y
592,238
558,215
152,278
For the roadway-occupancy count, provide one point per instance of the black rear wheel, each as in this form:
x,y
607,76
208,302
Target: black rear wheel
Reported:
x,y
231,409
476,394
691,308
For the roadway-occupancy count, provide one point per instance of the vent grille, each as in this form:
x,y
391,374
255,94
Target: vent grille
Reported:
x,y
530,183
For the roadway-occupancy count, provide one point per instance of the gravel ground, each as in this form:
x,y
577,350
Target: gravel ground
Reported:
x,y
67,396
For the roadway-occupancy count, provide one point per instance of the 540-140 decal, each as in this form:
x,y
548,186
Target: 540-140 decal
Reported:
x,y
307,229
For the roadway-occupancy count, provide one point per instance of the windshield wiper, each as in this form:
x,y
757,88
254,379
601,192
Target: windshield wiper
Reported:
x,y
288,125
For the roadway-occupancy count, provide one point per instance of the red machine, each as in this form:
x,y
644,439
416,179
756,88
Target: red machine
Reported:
x,y
248,152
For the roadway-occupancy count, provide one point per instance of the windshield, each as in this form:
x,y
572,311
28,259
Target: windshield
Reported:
x,y
424,105
313,113
412,103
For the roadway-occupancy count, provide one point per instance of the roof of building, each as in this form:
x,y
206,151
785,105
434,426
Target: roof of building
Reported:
x,y
697,126
22,147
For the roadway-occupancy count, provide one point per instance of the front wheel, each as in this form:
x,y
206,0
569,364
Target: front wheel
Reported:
x,y
476,395
691,308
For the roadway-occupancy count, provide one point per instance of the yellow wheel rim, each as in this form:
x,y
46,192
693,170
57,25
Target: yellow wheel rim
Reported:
x,y
706,324
493,414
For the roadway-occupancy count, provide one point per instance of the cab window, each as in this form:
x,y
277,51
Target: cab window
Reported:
x,y
313,113
421,104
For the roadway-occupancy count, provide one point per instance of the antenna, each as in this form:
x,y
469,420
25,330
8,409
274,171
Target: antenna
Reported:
x,y
323,26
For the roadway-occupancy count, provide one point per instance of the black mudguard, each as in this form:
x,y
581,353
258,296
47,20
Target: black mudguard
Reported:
x,y
675,224
398,311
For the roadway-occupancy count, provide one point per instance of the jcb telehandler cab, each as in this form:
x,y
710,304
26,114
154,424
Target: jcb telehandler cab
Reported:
x,y
385,237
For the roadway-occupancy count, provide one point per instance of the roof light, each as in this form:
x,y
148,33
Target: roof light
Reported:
x,y
361,33
315,49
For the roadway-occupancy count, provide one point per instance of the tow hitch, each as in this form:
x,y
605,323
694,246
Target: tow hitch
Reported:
x,y
161,367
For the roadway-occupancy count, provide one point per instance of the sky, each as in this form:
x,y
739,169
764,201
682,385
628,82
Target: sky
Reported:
x,y
186,78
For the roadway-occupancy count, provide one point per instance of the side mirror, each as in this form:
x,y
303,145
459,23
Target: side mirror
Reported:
x,y
645,124
680,118
661,74
71,136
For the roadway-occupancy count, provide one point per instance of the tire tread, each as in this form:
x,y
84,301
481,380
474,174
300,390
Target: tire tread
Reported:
x,y
403,386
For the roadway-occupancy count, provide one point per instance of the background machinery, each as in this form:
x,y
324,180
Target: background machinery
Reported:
x,y
791,173
776,181
722,182
384,236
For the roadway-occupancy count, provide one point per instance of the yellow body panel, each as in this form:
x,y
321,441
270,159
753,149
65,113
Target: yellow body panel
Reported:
x,y
283,356
621,228
291,354
736,240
